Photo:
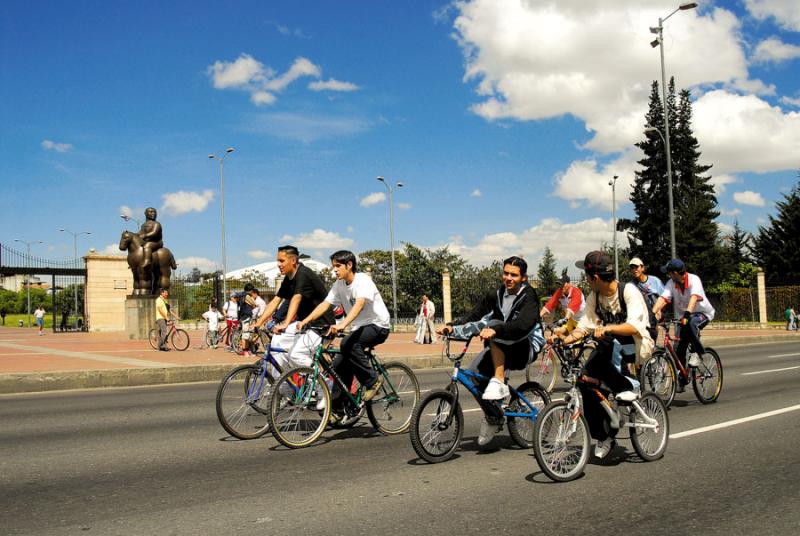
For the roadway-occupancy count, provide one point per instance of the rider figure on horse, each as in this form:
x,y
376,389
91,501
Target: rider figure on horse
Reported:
x,y
151,236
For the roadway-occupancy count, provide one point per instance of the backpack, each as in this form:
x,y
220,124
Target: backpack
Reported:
x,y
650,299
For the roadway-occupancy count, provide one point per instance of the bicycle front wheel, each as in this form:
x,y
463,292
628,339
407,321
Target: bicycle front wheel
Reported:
x,y
658,376
293,415
561,442
707,378
437,424
180,340
154,337
521,427
391,409
650,443
242,399
544,370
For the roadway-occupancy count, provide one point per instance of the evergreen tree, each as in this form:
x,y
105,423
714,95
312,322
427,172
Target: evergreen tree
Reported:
x,y
739,245
777,246
546,273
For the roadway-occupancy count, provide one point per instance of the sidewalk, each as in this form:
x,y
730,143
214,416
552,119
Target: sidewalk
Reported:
x,y
56,361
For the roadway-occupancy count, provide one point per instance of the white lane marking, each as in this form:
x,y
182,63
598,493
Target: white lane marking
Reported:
x,y
734,422
767,371
783,355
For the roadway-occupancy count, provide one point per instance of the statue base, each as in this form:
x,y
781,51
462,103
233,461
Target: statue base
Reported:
x,y
140,315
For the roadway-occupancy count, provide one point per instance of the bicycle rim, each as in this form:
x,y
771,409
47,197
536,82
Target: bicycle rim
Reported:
x,y
436,427
650,443
391,409
521,428
658,376
241,402
180,340
707,378
543,371
561,442
154,337
294,418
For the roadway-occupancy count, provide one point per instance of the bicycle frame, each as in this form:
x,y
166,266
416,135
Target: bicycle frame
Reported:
x,y
267,359
669,341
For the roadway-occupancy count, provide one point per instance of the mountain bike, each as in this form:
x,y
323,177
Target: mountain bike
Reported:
x,y
294,418
561,437
662,372
437,423
544,369
179,338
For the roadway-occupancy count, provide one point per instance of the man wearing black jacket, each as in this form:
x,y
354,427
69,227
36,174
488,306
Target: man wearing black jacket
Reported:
x,y
505,321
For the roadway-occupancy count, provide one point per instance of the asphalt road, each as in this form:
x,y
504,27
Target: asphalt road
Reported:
x,y
155,461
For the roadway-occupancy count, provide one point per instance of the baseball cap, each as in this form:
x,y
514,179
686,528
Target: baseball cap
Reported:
x,y
564,279
636,261
675,265
596,262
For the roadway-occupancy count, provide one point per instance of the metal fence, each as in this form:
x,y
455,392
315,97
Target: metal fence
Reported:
x,y
194,297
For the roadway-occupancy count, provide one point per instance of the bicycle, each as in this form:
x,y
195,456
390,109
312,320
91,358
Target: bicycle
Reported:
x,y
295,420
178,337
544,370
561,438
437,423
661,373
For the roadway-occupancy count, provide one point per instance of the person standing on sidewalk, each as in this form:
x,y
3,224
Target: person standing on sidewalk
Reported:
x,y
39,314
231,311
791,319
3,315
425,331
162,315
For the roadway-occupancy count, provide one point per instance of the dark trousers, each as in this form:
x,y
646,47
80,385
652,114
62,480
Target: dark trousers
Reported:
x,y
164,331
600,367
354,360
690,334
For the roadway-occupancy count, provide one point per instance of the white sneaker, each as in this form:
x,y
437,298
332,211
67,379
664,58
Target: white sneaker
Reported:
x,y
496,390
694,360
602,448
627,396
487,432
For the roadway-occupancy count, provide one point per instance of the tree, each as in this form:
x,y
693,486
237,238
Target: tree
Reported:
x,y
739,245
777,246
546,273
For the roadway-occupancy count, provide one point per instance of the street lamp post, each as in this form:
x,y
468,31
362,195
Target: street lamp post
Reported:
x,y
613,184
659,30
28,283
128,218
391,242
221,158
75,253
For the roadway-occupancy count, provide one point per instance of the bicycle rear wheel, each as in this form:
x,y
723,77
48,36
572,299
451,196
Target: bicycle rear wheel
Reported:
x,y
707,378
391,409
521,428
293,417
561,442
544,370
241,402
658,376
650,443
180,340
437,424
154,337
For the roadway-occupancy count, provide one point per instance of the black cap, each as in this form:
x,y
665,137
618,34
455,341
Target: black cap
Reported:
x,y
596,262
675,265
565,279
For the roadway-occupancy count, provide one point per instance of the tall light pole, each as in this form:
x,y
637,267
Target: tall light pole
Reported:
x,y
613,184
129,218
391,242
659,30
28,285
221,158
75,252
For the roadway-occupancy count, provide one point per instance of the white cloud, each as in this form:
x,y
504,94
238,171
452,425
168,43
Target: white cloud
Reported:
x,y
404,206
259,254
785,12
775,50
204,265
720,182
50,145
751,86
732,213
242,72
301,67
724,228
111,249
349,228
308,128
586,181
476,193
749,197
177,203
332,85
373,199
791,101
318,239
262,97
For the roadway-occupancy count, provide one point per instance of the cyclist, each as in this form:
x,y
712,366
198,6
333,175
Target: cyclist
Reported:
x,y
571,300
689,301
651,288
231,311
507,320
256,302
365,312
616,315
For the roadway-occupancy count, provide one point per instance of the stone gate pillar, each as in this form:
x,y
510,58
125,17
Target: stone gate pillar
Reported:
x,y
762,298
447,307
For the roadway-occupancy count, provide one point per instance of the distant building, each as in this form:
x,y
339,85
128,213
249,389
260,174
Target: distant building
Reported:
x,y
269,270
18,282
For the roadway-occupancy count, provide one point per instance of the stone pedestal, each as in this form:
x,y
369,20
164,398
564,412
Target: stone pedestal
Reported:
x,y
762,298
447,307
108,281
140,316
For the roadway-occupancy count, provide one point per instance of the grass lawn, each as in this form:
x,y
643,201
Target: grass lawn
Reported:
x,y
12,321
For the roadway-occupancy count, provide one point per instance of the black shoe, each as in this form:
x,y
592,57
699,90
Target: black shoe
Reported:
x,y
163,349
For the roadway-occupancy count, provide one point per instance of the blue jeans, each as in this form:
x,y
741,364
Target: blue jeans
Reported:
x,y
690,334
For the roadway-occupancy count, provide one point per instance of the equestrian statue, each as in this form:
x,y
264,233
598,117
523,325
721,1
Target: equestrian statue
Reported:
x,y
150,262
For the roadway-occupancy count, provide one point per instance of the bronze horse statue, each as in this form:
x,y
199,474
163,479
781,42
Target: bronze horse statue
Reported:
x,y
147,280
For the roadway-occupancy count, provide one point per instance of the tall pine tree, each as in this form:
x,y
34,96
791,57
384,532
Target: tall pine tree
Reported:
x,y
546,273
777,246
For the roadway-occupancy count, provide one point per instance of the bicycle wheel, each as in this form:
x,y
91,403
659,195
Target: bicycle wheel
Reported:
x,y
348,421
650,443
658,375
236,339
521,428
180,340
544,370
561,442
437,424
242,399
154,337
293,416
707,378
391,409
208,339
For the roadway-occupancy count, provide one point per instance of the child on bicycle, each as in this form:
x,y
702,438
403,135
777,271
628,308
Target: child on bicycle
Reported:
x,y
212,317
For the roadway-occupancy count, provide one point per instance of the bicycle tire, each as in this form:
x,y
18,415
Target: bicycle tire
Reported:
x,y
236,340
426,432
180,339
521,428
651,444
391,410
208,340
555,419
658,375
544,369
241,402
294,420
154,337
707,379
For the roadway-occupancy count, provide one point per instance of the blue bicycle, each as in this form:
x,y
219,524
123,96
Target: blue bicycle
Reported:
x,y
437,423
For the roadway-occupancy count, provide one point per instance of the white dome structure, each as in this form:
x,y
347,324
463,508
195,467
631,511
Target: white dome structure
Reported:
x,y
270,270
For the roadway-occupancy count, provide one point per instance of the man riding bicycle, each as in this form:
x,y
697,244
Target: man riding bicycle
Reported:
x,y
571,300
507,321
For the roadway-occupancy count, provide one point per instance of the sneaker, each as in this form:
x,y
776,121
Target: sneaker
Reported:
x,y
680,385
370,393
694,360
496,390
602,448
320,399
627,396
487,432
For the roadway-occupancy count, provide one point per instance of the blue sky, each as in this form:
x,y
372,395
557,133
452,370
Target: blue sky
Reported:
x,y
504,119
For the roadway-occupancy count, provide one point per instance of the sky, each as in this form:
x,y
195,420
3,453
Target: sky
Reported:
x,y
503,119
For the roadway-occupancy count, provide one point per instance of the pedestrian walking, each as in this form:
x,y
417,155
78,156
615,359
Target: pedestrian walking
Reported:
x,y
39,315
425,331
3,315
791,319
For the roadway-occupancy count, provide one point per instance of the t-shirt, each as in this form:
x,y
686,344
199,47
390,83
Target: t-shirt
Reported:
x,y
309,285
161,303
573,301
374,311
260,307
680,297
39,313
213,318
231,310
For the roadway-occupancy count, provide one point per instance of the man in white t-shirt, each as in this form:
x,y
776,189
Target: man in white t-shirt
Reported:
x,y
365,312
689,301
231,311
212,317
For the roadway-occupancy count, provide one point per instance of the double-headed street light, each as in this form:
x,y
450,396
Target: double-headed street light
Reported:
x,y
659,30
75,252
129,218
613,184
28,284
221,157
391,242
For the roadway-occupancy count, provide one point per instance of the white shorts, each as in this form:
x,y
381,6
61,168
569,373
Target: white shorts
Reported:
x,y
246,330
300,347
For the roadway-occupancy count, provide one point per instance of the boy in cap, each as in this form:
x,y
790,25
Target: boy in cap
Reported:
x,y
571,300
651,288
